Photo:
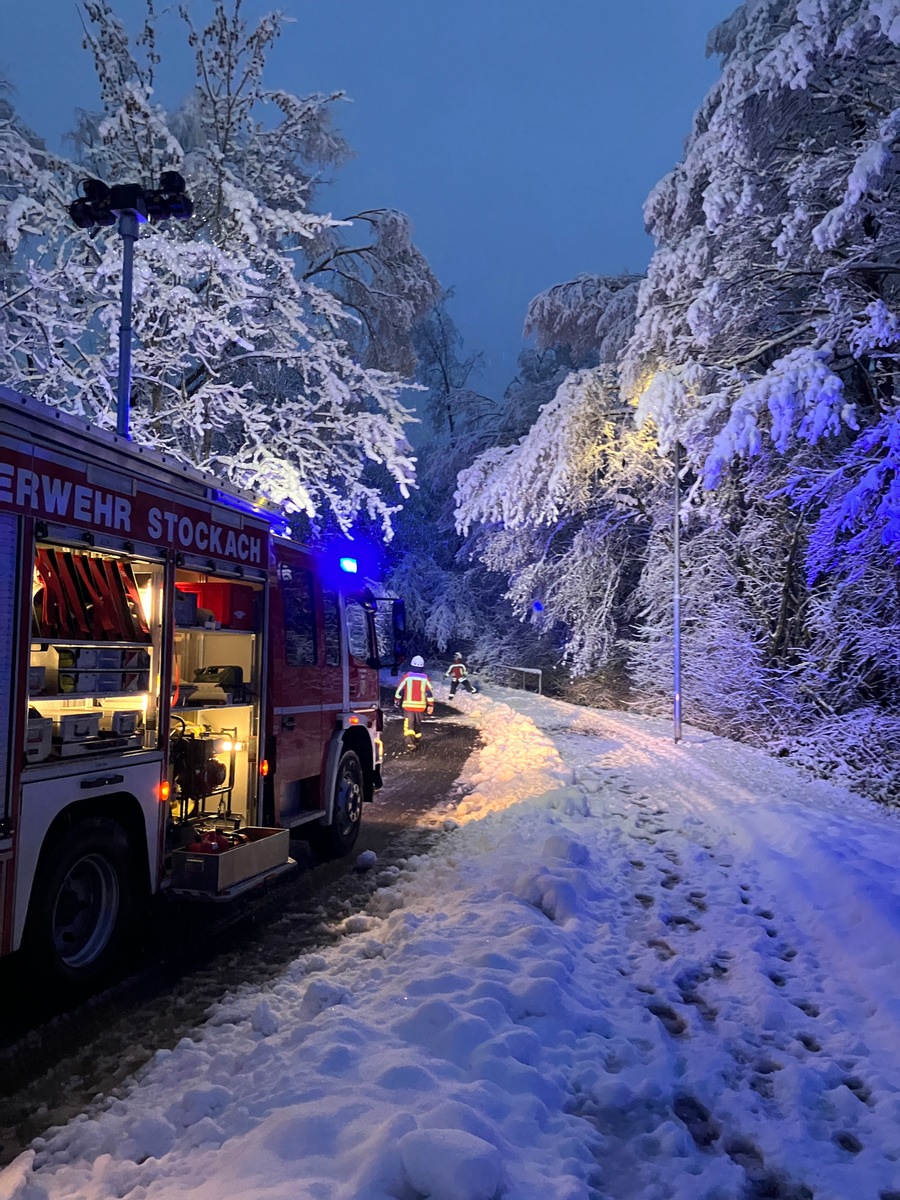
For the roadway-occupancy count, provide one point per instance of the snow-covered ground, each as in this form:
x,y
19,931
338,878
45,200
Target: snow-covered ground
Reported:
x,y
631,969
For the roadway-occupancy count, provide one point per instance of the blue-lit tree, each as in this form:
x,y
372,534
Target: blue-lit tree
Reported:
x,y
767,341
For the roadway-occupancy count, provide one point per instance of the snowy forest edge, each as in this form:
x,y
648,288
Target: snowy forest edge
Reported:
x,y
275,344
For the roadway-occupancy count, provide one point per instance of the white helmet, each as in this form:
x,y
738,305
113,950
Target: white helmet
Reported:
x,y
418,661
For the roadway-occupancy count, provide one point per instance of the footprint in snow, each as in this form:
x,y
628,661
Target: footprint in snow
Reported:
x,y
811,1043
847,1141
680,921
636,862
768,1066
744,1153
763,1086
671,1020
701,1124
698,900
691,996
643,899
859,1089
670,880
807,1006
719,965
662,948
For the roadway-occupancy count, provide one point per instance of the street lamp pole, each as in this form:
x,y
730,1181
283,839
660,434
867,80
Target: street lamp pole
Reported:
x,y
676,599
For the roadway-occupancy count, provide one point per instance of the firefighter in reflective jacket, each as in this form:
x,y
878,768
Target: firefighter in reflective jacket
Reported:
x,y
458,674
414,696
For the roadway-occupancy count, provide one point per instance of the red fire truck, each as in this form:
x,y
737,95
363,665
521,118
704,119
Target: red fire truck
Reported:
x,y
180,686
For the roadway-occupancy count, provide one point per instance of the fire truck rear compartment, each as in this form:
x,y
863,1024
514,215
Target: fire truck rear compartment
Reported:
x,y
215,713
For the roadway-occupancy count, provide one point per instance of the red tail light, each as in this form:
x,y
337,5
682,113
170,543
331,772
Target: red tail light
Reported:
x,y
164,790
264,767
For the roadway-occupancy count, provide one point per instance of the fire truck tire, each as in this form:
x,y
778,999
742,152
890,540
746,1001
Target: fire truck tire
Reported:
x,y
339,838
82,905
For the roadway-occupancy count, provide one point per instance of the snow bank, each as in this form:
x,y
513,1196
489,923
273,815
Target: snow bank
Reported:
x,y
630,969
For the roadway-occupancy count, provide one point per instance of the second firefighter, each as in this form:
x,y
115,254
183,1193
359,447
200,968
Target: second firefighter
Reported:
x,y
415,696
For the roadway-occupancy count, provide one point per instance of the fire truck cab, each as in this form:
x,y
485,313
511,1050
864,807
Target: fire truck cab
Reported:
x,y
180,686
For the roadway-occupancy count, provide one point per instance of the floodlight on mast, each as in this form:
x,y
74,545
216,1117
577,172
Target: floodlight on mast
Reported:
x,y
131,205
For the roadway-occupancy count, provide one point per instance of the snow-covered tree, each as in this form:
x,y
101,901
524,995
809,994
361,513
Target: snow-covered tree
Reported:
x,y
452,601
766,343
565,513
591,316
34,187
245,363
769,317
454,409
383,279
563,509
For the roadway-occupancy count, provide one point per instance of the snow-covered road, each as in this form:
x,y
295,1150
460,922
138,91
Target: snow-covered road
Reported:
x,y
631,969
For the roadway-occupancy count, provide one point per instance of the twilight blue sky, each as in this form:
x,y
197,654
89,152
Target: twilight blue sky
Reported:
x,y
521,136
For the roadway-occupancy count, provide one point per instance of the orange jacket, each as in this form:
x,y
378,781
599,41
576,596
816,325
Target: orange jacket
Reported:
x,y
414,691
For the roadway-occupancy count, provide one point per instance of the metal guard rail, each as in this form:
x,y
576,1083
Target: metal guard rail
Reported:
x,y
524,672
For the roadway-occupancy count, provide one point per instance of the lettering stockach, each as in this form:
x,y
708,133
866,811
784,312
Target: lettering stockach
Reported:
x,y
49,495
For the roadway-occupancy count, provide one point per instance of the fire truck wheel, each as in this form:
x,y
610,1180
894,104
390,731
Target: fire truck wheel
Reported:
x,y
339,838
82,904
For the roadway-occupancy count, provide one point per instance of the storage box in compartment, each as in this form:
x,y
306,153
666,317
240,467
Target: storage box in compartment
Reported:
x,y
213,873
122,722
232,604
69,669
76,658
36,680
76,726
135,673
37,739
185,605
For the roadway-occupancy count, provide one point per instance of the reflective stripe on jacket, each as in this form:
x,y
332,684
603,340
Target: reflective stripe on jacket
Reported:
x,y
414,691
457,671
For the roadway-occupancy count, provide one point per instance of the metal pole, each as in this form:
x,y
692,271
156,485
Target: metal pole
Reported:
x,y
128,228
676,599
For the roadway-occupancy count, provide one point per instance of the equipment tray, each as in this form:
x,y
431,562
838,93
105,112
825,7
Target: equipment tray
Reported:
x,y
212,873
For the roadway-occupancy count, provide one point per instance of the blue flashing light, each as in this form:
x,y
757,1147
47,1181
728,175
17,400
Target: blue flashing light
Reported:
x,y
537,606
350,565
